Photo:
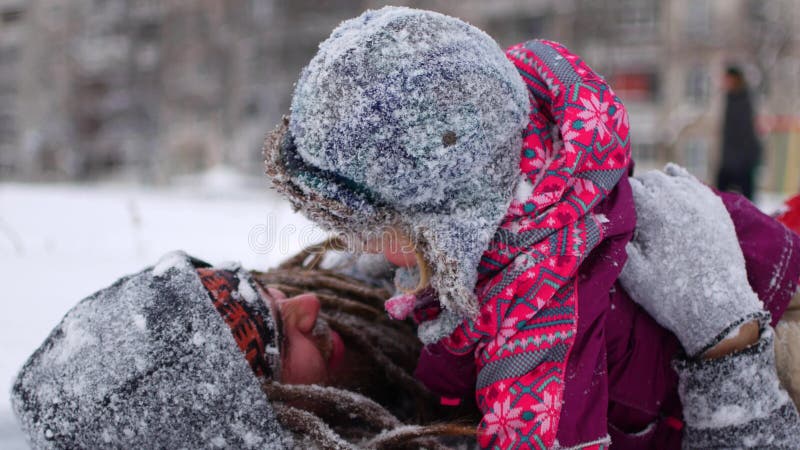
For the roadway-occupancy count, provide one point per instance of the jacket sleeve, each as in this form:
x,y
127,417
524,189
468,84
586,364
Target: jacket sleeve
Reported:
x,y
771,253
737,399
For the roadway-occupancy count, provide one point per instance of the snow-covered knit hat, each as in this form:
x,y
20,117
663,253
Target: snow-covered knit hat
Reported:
x,y
410,119
149,362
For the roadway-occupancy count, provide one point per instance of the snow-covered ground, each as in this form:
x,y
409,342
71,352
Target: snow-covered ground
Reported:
x,y
60,243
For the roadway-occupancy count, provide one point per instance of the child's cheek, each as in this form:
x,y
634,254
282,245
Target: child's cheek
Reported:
x,y
400,258
399,249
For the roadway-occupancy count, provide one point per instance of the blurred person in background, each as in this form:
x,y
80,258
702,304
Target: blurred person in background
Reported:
x,y
741,150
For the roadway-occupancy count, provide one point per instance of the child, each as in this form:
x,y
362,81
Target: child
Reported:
x,y
496,167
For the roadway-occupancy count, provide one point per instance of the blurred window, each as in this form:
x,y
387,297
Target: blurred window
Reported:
x,y
261,9
259,62
251,108
7,128
636,86
638,19
8,89
784,78
696,156
698,20
509,30
645,154
9,56
149,31
758,10
11,15
698,84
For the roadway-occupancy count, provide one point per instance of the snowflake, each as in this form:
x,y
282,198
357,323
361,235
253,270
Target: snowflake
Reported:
x,y
515,209
507,329
546,198
524,188
621,116
582,185
524,223
521,262
568,134
503,420
595,115
548,411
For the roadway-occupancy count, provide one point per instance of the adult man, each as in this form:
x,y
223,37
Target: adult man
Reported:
x,y
187,355
741,149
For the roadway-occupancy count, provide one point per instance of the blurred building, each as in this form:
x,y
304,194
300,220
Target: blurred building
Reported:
x,y
11,43
151,89
666,59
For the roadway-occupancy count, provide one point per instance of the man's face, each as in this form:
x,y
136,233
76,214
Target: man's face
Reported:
x,y
731,82
312,353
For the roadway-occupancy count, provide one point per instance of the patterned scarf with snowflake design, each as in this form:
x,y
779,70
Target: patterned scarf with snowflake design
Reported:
x,y
575,150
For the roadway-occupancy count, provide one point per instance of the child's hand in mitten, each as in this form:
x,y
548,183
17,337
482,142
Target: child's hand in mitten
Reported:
x,y
685,266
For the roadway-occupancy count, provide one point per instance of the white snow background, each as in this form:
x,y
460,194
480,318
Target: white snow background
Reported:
x,y
59,243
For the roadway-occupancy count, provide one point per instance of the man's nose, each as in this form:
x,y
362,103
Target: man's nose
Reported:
x,y
300,311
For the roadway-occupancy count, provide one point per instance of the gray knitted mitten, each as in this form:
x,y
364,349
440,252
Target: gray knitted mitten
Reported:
x,y
685,266
737,402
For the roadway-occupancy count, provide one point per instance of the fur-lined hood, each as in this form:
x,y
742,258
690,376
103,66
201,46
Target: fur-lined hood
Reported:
x,y
409,119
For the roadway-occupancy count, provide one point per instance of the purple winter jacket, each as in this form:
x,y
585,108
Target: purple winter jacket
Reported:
x,y
619,379
622,357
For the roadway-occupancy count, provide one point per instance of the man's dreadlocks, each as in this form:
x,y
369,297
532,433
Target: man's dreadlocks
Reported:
x,y
342,419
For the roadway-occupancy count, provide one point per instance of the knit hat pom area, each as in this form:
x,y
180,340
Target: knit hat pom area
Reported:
x,y
412,119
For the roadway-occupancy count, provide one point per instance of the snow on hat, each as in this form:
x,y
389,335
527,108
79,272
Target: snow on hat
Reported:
x,y
149,362
411,119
